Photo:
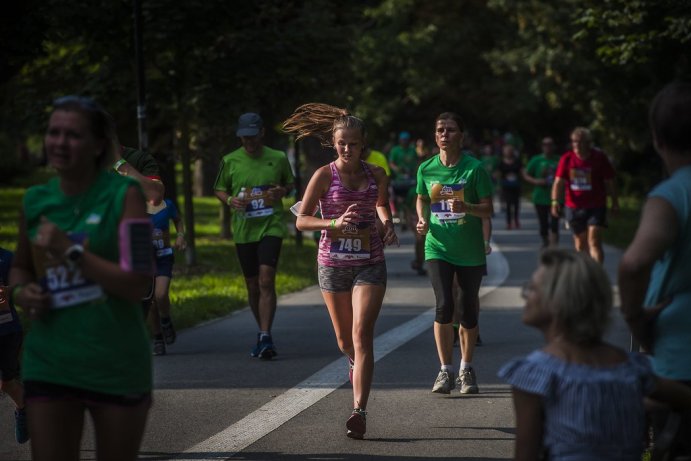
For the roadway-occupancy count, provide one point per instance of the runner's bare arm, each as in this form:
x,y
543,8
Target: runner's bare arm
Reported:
x,y
316,188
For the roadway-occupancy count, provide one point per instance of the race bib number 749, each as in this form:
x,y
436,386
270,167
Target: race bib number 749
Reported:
x,y
351,242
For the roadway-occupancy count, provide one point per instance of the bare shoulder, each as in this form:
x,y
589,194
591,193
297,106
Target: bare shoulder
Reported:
x,y
323,174
378,172
321,179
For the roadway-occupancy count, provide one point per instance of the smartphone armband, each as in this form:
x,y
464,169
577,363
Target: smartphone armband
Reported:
x,y
136,250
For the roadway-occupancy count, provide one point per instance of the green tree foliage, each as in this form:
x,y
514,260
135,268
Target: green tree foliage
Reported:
x,y
415,59
604,60
533,66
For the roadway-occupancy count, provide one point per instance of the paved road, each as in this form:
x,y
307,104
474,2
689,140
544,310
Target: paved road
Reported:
x,y
212,401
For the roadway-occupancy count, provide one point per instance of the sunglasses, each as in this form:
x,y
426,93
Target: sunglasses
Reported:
x,y
84,102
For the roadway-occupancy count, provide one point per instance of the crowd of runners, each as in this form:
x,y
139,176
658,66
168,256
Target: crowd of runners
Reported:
x,y
85,271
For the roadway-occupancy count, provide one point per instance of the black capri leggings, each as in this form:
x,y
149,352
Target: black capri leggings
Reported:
x,y
469,279
547,221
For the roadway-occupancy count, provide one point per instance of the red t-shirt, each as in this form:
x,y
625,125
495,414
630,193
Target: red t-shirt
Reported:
x,y
585,179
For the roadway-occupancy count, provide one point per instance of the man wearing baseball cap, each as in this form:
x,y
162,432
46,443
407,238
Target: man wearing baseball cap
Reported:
x,y
253,180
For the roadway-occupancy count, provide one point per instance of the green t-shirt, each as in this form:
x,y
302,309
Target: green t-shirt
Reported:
x,y
262,217
95,341
541,167
491,163
457,240
405,159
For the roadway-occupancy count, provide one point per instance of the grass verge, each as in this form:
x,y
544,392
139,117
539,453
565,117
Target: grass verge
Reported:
x,y
212,288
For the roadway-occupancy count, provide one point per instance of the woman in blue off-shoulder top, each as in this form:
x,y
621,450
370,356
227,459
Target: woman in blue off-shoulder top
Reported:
x,y
580,398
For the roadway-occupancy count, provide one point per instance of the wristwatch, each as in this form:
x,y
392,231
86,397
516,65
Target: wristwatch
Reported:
x,y
74,254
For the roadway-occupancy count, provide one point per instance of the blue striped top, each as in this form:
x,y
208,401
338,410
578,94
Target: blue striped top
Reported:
x,y
590,413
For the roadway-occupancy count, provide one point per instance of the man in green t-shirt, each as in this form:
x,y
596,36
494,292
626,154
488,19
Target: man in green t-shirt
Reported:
x,y
253,180
540,172
403,163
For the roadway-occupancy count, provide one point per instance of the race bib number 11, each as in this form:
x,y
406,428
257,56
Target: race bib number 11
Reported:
x,y
439,195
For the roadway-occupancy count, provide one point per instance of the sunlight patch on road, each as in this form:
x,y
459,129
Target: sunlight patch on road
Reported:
x,y
286,406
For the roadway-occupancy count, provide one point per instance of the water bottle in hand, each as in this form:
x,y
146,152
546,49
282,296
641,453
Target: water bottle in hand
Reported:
x,y
242,195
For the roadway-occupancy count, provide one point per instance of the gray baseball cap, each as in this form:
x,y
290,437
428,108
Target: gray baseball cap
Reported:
x,y
249,124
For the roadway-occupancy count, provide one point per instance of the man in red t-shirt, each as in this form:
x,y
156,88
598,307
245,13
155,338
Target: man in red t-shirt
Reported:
x,y
588,177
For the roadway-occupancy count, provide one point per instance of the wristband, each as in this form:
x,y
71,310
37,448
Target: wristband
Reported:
x,y
229,199
181,234
333,223
118,164
555,201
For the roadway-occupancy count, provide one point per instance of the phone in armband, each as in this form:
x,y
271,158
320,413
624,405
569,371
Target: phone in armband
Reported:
x,y
136,253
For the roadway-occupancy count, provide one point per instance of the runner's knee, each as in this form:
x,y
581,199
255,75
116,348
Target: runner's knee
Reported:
x,y
470,308
444,312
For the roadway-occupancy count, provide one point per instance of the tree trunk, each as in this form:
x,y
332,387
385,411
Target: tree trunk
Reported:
x,y
224,218
205,172
182,148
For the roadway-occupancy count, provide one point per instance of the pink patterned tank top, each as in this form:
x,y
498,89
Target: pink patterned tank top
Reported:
x,y
356,244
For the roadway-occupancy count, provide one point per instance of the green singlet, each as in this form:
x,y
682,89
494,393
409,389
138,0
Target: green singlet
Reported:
x,y
89,340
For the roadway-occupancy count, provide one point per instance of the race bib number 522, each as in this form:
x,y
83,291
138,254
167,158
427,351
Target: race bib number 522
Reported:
x,y
66,284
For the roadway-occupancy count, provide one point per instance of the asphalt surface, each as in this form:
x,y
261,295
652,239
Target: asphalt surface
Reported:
x,y
212,401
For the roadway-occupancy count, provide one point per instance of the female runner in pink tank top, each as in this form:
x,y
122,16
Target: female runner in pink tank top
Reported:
x,y
352,195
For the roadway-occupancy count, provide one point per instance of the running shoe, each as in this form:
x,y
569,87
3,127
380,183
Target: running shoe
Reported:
x,y
256,348
267,350
169,335
351,364
21,427
357,424
467,381
444,382
159,347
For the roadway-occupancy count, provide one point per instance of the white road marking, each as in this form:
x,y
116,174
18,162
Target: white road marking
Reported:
x,y
281,409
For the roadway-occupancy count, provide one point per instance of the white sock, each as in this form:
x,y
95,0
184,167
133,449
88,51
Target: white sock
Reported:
x,y
447,368
465,365
264,333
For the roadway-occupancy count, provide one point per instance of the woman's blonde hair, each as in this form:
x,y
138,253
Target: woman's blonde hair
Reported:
x,y
321,121
578,292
